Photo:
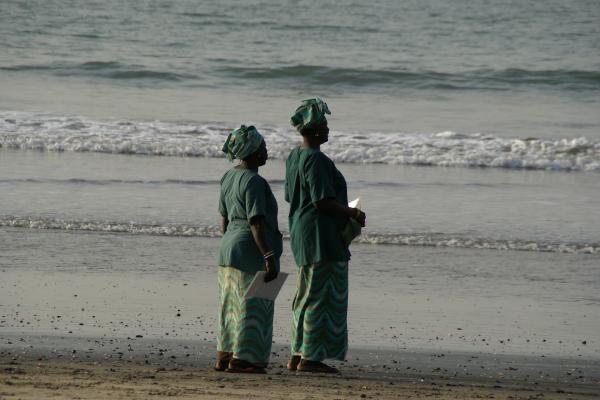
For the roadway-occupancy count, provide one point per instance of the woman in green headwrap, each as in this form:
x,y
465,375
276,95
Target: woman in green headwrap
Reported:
x,y
251,242
319,211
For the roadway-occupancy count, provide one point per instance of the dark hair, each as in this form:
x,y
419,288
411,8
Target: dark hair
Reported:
x,y
308,131
313,129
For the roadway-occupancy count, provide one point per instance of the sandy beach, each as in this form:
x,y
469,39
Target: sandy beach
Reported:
x,y
35,367
63,379
103,315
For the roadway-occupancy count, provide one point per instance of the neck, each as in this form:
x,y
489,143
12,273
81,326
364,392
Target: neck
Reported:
x,y
248,165
312,144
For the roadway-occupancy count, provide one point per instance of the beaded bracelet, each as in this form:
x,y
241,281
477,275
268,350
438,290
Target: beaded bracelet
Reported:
x,y
268,254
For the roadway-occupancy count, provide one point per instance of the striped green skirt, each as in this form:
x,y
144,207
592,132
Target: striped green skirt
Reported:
x,y
245,326
320,310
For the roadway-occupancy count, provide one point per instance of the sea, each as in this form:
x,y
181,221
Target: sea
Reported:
x,y
469,129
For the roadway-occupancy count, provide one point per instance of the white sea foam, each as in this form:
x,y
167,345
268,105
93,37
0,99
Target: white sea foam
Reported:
x,y
44,132
211,231
111,227
443,240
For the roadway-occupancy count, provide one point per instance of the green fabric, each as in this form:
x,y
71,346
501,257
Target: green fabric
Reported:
x,y
310,113
320,309
245,194
242,142
314,236
245,326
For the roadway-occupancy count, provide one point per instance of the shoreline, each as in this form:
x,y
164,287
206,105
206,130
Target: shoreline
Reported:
x,y
32,366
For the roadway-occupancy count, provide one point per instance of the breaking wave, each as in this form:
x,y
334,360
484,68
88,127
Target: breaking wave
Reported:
x,y
42,132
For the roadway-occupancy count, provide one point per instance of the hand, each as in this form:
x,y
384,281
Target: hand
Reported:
x,y
271,269
360,217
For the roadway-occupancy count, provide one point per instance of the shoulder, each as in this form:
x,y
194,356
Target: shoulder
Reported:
x,y
319,155
292,158
256,179
252,180
227,176
317,158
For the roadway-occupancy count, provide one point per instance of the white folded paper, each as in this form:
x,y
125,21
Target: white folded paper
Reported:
x,y
353,228
270,290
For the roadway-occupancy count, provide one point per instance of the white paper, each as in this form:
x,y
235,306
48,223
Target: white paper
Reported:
x,y
356,228
270,290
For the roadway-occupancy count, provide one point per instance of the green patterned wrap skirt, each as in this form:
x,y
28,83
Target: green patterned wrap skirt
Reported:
x,y
320,311
245,326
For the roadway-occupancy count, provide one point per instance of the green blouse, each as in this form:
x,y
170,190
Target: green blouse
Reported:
x,y
245,194
315,237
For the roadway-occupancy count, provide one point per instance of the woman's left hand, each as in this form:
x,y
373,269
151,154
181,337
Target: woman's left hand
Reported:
x,y
271,268
360,217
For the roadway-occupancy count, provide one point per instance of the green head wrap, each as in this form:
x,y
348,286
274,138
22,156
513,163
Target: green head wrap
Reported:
x,y
310,114
242,142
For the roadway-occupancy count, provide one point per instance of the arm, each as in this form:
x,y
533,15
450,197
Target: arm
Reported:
x,y
257,227
223,212
319,172
335,209
224,224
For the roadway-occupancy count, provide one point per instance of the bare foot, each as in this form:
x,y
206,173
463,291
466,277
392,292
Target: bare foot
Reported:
x,y
316,366
292,364
223,358
244,367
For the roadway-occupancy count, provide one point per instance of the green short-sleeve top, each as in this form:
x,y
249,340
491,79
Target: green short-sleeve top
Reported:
x,y
315,237
245,194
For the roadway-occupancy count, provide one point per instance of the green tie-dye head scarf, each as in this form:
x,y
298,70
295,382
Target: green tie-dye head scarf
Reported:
x,y
310,114
242,142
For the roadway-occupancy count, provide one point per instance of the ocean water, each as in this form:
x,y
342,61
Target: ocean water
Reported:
x,y
509,69
470,130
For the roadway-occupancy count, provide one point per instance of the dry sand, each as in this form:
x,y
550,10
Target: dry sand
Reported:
x,y
61,379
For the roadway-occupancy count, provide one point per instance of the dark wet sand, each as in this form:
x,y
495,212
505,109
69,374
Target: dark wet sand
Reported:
x,y
66,379
34,367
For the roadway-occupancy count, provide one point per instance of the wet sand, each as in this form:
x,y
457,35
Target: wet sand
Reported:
x,y
120,285
62,379
102,315
36,366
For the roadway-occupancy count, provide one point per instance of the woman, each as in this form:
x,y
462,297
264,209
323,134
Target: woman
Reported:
x,y
319,211
251,242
